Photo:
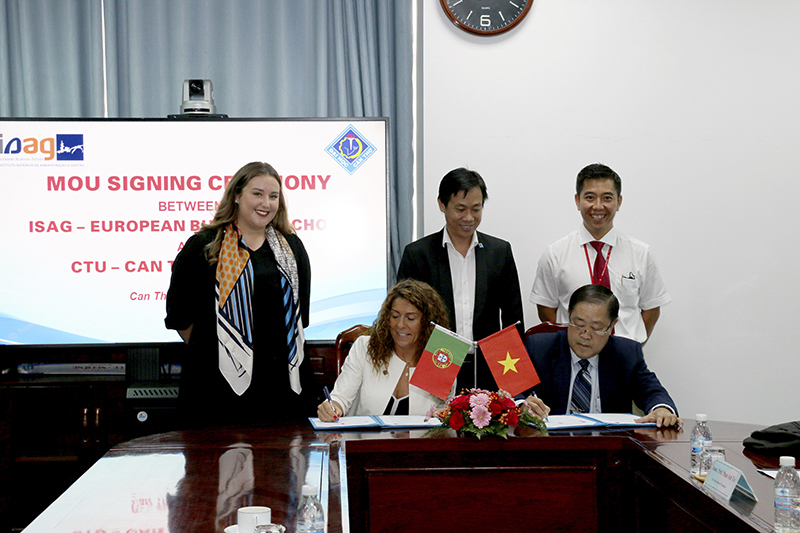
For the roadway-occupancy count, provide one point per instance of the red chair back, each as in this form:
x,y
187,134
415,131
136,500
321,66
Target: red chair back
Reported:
x,y
344,341
545,327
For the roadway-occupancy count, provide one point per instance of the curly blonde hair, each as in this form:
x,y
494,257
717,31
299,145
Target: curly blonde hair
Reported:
x,y
425,299
228,209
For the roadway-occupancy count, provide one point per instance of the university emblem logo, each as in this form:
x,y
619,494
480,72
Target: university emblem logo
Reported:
x,y
351,149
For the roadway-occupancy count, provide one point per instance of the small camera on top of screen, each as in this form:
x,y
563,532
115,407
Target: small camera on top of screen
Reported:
x,y
198,98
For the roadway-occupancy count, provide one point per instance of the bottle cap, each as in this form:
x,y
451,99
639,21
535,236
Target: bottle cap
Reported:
x,y
311,490
701,417
787,460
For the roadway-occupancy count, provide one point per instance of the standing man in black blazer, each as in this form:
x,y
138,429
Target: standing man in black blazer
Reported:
x,y
474,273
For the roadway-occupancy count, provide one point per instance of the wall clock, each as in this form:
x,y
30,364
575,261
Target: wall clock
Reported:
x,y
486,17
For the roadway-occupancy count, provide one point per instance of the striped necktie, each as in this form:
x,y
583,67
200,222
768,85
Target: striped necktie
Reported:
x,y
582,390
290,318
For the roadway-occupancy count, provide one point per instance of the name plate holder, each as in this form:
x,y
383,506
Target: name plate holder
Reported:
x,y
724,478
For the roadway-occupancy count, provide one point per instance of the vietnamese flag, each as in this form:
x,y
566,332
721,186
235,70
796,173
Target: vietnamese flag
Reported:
x,y
440,362
509,361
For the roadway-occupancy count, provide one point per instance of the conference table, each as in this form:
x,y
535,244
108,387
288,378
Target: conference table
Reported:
x,y
631,479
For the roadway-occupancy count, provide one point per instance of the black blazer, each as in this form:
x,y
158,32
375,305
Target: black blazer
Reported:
x,y
623,374
205,398
498,300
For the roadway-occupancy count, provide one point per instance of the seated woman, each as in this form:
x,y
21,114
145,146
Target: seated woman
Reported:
x,y
375,374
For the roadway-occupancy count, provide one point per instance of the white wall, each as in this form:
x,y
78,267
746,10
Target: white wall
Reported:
x,y
695,103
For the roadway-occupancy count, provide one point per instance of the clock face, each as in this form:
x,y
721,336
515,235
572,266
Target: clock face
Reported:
x,y
486,17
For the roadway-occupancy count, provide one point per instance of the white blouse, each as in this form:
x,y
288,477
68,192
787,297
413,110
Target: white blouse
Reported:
x,y
362,390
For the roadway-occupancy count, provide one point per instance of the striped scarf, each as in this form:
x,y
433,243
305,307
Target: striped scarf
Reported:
x,y
235,313
287,265
234,290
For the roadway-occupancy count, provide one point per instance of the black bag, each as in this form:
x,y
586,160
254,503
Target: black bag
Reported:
x,y
780,439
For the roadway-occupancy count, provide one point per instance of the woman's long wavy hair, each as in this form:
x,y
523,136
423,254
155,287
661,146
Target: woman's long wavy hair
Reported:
x,y
425,299
228,209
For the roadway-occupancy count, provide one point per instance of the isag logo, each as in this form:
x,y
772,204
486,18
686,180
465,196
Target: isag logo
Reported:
x,y
70,147
65,147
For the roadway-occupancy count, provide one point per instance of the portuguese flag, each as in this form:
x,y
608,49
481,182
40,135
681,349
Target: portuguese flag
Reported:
x,y
509,361
440,362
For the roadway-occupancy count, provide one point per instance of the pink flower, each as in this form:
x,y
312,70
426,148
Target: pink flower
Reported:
x,y
431,412
480,416
480,399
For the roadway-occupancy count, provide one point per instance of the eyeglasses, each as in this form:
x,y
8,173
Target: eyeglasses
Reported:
x,y
583,329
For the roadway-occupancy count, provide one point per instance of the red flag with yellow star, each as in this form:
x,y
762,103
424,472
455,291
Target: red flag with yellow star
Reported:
x,y
509,361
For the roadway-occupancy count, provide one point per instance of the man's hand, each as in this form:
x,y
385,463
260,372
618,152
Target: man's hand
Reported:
x,y
662,416
537,406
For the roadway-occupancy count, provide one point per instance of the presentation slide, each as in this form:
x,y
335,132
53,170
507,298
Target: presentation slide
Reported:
x,y
95,212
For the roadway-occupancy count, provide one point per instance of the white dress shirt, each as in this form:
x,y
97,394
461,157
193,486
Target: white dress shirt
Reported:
x,y
632,269
462,272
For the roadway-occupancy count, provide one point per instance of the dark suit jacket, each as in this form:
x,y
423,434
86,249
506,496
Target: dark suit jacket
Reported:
x,y
498,300
205,397
623,374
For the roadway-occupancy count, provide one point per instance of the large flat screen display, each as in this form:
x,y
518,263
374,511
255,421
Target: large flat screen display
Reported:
x,y
95,211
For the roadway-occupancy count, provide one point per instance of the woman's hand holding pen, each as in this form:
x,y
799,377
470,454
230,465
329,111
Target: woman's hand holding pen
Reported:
x,y
329,411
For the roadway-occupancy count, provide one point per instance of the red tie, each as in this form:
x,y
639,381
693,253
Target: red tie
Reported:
x,y
600,274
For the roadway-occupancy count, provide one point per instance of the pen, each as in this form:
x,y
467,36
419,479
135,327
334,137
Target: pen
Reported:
x,y
546,418
328,396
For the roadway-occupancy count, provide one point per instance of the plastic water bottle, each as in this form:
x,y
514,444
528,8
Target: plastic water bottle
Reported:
x,y
787,498
699,439
705,458
310,514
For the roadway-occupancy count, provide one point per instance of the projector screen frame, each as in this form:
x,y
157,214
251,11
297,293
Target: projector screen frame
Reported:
x,y
319,262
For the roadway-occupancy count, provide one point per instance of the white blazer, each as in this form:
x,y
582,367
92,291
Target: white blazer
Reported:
x,y
362,390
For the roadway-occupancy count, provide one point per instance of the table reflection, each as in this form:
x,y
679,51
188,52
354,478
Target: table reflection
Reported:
x,y
247,474
197,487
128,493
196,480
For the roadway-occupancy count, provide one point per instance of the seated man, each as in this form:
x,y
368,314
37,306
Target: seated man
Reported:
x,y
586,369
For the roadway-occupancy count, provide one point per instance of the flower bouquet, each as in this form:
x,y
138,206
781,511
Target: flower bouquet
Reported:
x,y
481,412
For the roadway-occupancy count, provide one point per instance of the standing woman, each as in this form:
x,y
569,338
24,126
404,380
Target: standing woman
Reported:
x,y
239,297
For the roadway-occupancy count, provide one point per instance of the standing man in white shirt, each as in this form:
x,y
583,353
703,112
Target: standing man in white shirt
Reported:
x,y
474,273
599,254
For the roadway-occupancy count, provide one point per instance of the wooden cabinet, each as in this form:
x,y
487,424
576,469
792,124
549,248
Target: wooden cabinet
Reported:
x,y
54,426
5,461
54,429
